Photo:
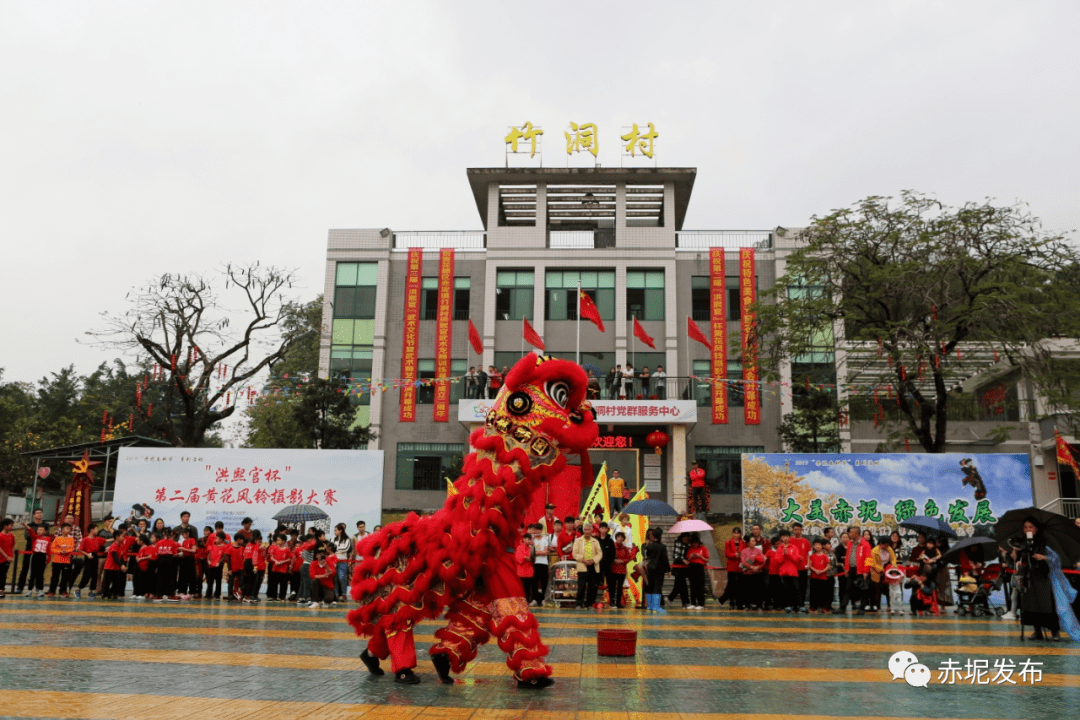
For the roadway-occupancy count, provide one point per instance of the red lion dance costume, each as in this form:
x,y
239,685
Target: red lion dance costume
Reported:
x,y
460,559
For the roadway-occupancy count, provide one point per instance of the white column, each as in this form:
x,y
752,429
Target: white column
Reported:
x,y
677,470
380,363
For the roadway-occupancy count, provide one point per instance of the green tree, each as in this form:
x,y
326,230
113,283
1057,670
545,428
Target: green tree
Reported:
x,y
211,336
813,424
326,416
916,278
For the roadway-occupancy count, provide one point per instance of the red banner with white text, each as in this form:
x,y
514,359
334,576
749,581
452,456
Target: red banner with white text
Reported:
x,y
718,322
411,335
444,335
747,298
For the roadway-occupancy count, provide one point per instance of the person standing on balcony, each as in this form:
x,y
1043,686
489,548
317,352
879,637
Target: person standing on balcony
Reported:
x,y
614,382
660,382
697,487
495,380
629,376
471,380
644,377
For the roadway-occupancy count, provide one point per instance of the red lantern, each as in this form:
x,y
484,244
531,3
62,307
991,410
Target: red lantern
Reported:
x,y
657,440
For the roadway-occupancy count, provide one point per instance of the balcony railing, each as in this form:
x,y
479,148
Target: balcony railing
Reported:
x,y
727,239
465,240
581,239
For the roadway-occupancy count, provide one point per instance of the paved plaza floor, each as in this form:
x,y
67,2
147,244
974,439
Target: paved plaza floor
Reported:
x,y
213,661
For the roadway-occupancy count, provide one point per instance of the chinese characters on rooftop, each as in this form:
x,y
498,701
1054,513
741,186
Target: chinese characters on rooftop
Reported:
x,y
583,137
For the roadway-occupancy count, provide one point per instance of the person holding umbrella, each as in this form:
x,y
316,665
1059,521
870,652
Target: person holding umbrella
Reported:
x,y
1045,596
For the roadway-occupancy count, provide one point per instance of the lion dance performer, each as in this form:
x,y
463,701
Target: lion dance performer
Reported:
x,y
460,559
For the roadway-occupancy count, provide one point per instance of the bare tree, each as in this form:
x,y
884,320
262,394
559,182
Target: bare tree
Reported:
x,y
206,350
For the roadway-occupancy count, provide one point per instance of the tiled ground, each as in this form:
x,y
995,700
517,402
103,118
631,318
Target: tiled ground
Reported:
x,y
84,659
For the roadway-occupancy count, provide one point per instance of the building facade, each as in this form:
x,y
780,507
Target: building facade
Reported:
x,y
618,232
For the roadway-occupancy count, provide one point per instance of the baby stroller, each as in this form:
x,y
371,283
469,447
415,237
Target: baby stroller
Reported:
x,y
973,593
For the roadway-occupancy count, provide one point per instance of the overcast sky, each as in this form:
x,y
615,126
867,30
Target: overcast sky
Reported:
x,y
140,138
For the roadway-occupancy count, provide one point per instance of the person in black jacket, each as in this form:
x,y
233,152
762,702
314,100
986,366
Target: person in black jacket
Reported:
x,y
656,564
607,560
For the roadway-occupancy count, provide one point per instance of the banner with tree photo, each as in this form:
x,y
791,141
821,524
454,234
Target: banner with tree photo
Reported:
x,y
878,491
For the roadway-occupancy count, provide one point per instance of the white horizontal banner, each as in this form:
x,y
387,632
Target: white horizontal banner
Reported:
x,y
634,412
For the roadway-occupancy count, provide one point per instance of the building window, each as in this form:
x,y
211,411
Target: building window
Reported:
x,y
354,291
462,287
723,466
425,370
560,296
645,294
352,363
429,298
702,388
700,307
424,466
513,294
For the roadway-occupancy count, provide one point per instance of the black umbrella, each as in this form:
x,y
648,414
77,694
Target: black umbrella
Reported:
x,y
922,523
649,507
1061,533
954,552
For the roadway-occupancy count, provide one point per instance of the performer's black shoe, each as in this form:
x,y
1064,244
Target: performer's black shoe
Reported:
x,y
442,667
372,663
536,683
406,677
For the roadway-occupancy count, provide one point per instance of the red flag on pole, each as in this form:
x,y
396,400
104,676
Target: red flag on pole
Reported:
x,y
587,309
695,333
474,339
530,335
1065,454
640,334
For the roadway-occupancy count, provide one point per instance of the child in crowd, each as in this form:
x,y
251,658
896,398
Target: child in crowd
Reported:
x,y
306,554
322,581
280,558
697,557
61,550
821,583
523,558
92,548
167,551
923,594
790,559
115,567
143,571
254,567
236,569
39,558
752,563
7,551
216,561
189,548
624,555
775,591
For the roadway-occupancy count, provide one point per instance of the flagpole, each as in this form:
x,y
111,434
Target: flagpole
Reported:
x,y
577,354
689,392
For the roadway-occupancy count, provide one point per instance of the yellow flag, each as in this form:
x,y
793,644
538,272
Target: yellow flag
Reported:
x,y
451,491
639,525
598,495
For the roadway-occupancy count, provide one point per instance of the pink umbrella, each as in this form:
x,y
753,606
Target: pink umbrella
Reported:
x,y
690,526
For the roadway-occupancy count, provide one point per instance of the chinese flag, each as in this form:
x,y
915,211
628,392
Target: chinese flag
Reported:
x,y
1065,454
695,333
530,335
474,339
587,309
639,333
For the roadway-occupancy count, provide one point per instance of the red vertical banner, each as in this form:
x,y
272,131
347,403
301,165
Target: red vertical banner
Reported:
x,y
444,335
747,297
718,322
410,336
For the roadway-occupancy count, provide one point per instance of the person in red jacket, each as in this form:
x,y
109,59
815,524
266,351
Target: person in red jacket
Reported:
x,y
254,554
858,574
92,548
567,536
143,569
523,560
115,567
7,552
802,544
733,556
235,554
322,580
697,488
697,557
821,582
167,552
624,555
790,559
772,564
280,559
188,551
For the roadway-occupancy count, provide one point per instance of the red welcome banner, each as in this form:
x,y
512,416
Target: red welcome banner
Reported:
x,y
718,322
747,296
410,336
444,334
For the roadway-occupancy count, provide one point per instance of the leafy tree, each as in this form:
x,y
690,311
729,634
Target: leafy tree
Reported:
x,y
326,416
206,349
813,424
916,279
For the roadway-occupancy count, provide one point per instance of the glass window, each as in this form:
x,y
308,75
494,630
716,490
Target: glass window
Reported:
x,y
723,466
346,274
462,286
425,466
700,307
703,388
429,298
645,294
353,364
560,297
354,294
514,294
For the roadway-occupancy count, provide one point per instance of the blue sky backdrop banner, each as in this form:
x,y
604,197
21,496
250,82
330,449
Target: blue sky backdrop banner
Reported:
x,y
877,491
